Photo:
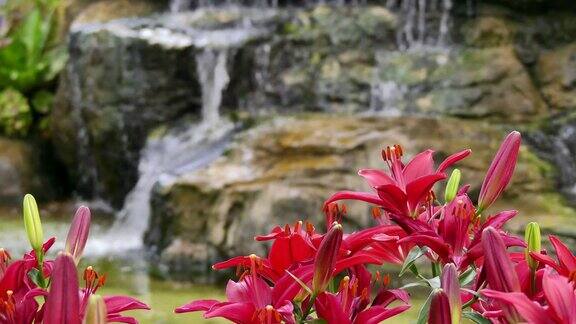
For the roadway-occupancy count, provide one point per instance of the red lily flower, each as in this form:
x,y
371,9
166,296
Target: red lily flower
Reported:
x,y
291,245
401,192
560,298
500,171
449,238
250,300
351,304
566,265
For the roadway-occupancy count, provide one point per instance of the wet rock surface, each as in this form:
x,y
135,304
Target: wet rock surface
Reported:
x,y
282,170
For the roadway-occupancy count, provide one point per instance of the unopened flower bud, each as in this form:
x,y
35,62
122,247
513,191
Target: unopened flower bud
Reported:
x,y
500,171
96,311
452,185
533,242
78,233
326,258
32,222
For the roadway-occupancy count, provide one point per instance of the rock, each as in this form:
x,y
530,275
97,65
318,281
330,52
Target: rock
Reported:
x,y
283,170
487,83
487,32
556,72
125,77
107,10
26,167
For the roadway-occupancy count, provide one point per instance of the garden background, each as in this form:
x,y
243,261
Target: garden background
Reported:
x,y
189,127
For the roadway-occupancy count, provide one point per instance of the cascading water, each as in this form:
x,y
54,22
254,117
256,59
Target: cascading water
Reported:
x,y
179,151
213,76
422,22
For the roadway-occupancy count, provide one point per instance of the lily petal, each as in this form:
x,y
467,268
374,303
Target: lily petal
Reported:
x,y
63,302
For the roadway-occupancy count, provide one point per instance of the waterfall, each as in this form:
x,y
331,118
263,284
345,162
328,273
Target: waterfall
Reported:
x,y
423,22
213,77
181,150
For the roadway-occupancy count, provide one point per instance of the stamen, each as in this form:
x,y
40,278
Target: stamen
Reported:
x,y
376,213
386,280
310,228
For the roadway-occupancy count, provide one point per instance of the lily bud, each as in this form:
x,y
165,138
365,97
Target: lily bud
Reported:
x,y
62,305
451,286
32,222
452,186
500,171
500,272
326,258
534,243
439,308
96,311
78,233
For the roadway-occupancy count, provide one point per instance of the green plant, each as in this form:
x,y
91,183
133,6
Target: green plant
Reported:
x,y
32,55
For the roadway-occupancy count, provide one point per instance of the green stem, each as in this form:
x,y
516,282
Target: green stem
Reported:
x,y
532,282
435,269
41,279
309,308
470,302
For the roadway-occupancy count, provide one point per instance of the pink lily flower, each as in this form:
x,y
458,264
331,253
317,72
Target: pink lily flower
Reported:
x,y
559,295
401,192
500,171
352,305
115,305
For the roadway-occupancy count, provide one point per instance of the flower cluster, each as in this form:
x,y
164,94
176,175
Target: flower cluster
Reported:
x,y
336,277
35,289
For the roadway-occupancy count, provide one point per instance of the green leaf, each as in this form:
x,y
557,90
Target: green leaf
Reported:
x,y
476,318
467,277
413,255
424,311
421,283
434,282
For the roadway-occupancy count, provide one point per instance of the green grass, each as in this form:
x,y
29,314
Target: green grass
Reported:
x,y
164,296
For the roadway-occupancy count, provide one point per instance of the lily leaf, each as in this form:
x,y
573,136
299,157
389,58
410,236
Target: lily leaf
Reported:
x,y
413,255
423,314
476,318
467,276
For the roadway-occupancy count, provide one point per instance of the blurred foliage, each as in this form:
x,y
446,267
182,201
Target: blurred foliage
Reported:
x,y
15,113
32,54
